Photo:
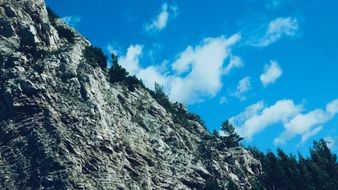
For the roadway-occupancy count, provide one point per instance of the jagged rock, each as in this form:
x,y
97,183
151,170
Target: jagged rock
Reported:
x,y
63,125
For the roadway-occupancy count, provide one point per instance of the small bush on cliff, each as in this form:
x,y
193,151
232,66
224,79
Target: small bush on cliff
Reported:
x,y
196,118
162,98
95,57
231,138
132,82
119,74
66,33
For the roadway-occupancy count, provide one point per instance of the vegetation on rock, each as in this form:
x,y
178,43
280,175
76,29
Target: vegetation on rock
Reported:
x,y
119,74
95,56
230,138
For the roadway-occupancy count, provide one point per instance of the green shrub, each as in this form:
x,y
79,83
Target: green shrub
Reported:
x,y
95,57
132,82
117,73
231,139
162,98
196,118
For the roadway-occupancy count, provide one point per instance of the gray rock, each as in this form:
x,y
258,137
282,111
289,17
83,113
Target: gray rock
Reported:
x,y
63,125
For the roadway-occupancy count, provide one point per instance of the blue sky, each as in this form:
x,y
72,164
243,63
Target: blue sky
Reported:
x,y
270,66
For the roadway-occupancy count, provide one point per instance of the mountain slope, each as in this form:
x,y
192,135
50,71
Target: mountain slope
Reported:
x,y
65,125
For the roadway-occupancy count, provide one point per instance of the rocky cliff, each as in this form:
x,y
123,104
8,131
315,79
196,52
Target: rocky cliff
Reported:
x,y
65,125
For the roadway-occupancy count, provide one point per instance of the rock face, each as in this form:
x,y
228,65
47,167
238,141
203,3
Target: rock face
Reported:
x,y
63,125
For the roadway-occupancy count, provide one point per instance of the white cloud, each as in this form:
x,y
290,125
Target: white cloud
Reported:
x,y
249,112
161,20
310,133
196,73
271,73
71,20
257,117
235,62
131,60
244,85
111,49
150,75
308,124
332,107
277,29
199,69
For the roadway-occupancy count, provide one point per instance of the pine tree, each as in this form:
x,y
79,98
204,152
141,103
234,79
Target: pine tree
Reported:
x,y
231,138
117,73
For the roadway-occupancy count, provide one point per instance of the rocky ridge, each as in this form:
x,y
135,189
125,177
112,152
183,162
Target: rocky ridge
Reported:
x,y
64,125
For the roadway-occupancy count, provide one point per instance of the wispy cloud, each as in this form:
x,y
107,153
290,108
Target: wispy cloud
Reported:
x,y
257,117
200,69
309,124
244,85
274,4
194,75
111,48
130,61
235,62
271,73
223,100
71,20
276,29
161,20
152,74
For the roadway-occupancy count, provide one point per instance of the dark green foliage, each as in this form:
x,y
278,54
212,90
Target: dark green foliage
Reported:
x,y
196,118
162,98
215,133
282,171
132,82
95,57
119,74
66,33
231,138
214,142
